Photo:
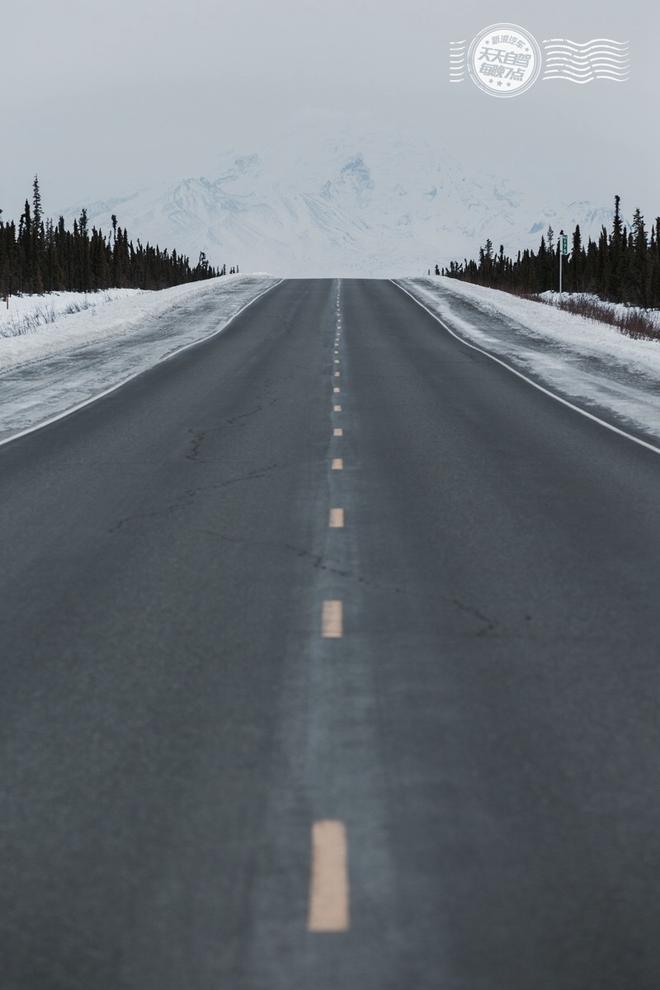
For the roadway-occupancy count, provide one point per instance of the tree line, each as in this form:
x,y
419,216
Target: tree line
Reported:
x,y
39,255
622,265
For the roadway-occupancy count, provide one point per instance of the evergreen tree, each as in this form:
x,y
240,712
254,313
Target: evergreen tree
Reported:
x,y
576,261
41,255
621,266
617,245
638,290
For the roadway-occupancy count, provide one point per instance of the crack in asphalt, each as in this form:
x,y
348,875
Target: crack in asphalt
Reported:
x,y
196,444
232,420
489,628
249,476
489,625
188,496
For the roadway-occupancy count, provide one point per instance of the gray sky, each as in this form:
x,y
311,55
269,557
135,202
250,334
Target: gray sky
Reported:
x,y
102,97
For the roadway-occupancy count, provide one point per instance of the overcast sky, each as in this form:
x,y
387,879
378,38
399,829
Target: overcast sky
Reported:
x,y
102,97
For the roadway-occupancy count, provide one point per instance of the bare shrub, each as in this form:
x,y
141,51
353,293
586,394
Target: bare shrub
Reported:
x,y
629,320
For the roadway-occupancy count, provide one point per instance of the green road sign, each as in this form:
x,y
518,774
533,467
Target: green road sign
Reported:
x,y
563,240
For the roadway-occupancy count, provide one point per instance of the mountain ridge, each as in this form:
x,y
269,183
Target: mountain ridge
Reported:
x,y
348,208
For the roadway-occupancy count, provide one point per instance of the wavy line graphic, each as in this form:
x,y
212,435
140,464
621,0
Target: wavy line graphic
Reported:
x,y
457,61
564,42
599,58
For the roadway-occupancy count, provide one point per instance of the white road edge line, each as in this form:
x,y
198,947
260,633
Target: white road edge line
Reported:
x,y
113,388
530,381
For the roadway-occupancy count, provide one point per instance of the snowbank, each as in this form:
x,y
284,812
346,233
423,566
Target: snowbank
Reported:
x,y
22,315
586,361
619,309
60,350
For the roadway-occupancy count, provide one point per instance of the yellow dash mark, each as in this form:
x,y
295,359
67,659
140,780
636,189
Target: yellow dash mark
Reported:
x,y
337,464
336,519
331,619
337,432
336,408
328,887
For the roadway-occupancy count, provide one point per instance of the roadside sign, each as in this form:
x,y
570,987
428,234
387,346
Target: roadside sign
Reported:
x,y
563,253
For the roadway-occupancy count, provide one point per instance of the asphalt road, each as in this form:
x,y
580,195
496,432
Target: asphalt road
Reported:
x,y
476,713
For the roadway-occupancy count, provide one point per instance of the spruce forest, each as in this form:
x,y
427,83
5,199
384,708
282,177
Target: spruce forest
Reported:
x,y
42,256
622,266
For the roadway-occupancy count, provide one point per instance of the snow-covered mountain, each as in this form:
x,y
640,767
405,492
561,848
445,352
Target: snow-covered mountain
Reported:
x,y
350,206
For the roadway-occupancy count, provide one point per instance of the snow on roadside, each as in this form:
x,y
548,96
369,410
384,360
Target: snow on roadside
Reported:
x,y
584,360
54,365
618,309
22,315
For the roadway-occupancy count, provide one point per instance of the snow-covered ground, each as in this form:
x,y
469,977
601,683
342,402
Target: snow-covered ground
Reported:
x,y
60,350
23,315
619,310
588,362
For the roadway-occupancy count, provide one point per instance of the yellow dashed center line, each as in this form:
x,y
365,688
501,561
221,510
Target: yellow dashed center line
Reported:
x,y
338,432
328,888
337,464
332,626
336,519
336,408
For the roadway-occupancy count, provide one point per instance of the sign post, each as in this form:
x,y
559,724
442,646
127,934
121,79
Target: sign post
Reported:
x,y
563,252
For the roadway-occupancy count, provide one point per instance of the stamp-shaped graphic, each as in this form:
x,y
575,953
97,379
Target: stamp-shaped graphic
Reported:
x,y
506,60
